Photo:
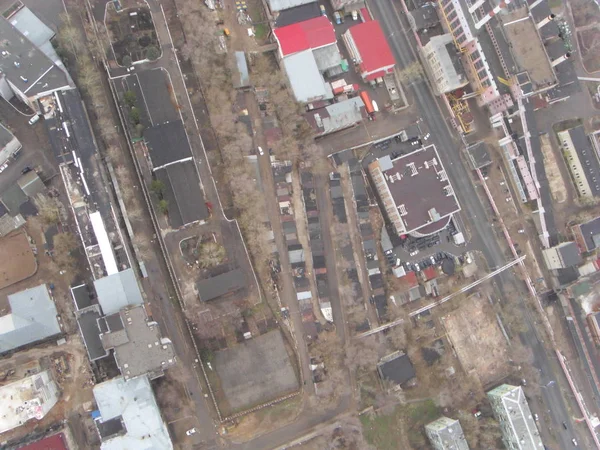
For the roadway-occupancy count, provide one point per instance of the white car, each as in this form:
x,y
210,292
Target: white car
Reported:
x,y
34,119
190,431
427,136
355,15
414,253
574,442
260,151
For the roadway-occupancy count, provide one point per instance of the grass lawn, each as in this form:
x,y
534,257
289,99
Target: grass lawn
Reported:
x,y
566,124
384,432
260,31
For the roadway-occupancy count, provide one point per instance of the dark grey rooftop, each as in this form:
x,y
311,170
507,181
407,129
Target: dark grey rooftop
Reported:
x,y
425,16
298,14
397,368
183,193
167,143
5,136
226,283
478,155
27,67
570,254
88,325
13,198
156,91
590,231
81,295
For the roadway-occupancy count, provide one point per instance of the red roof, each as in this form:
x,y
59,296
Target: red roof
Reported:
x,y
56,442
411,279
365,15
430,273
312,33
372,46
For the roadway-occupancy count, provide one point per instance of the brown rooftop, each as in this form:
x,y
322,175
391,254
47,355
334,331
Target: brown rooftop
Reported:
x,y
419,188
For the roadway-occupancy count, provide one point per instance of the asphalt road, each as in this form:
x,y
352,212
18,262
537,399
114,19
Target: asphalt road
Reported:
x,y
482,232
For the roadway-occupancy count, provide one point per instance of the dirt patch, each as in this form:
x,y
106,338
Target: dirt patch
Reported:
x,y
555,179
256,371
585,12
477,339
589,44
18,260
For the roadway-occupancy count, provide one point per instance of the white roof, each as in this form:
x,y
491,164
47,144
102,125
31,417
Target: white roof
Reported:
x,y
117,291
306,80
134,402
280,5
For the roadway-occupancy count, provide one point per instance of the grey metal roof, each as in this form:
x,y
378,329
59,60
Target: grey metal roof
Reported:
x,y
569,253
134,402
225,283
26,66
5,136
396,367
343,114
33,317
587,156
327,57
243,78
306,80
30,26
280,5
13,198
31,184
117,291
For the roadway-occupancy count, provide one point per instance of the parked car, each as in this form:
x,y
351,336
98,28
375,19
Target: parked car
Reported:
x,y
323,11
338,17
34,119
260,151
355,15
190,431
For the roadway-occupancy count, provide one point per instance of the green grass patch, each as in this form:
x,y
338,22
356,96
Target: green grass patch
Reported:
x,y
555,4
566,124
384,432
260,31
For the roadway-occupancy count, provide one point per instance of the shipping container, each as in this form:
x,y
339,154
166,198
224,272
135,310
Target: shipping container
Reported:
x,y
364,95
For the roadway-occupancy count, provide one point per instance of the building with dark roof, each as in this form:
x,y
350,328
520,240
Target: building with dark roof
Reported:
x,y
167,143
368,46
298,14
414,191
582,161
25,71
587,234
184,196
221,285
479,156
562,256
424,17
396,368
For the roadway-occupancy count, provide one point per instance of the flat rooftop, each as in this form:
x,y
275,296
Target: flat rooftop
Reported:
x,y
420,189
590,232
527,47
26,399
26,66
137,343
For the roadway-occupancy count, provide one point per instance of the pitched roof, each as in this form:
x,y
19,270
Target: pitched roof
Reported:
x,y
214,287
372,46
132,402
396,367
306,80
117,291
32,318
310,34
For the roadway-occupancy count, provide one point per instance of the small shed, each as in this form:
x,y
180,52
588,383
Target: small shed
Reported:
x,y
241,77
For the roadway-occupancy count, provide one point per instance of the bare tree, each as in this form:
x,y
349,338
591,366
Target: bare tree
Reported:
x,y
64,246
210,254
